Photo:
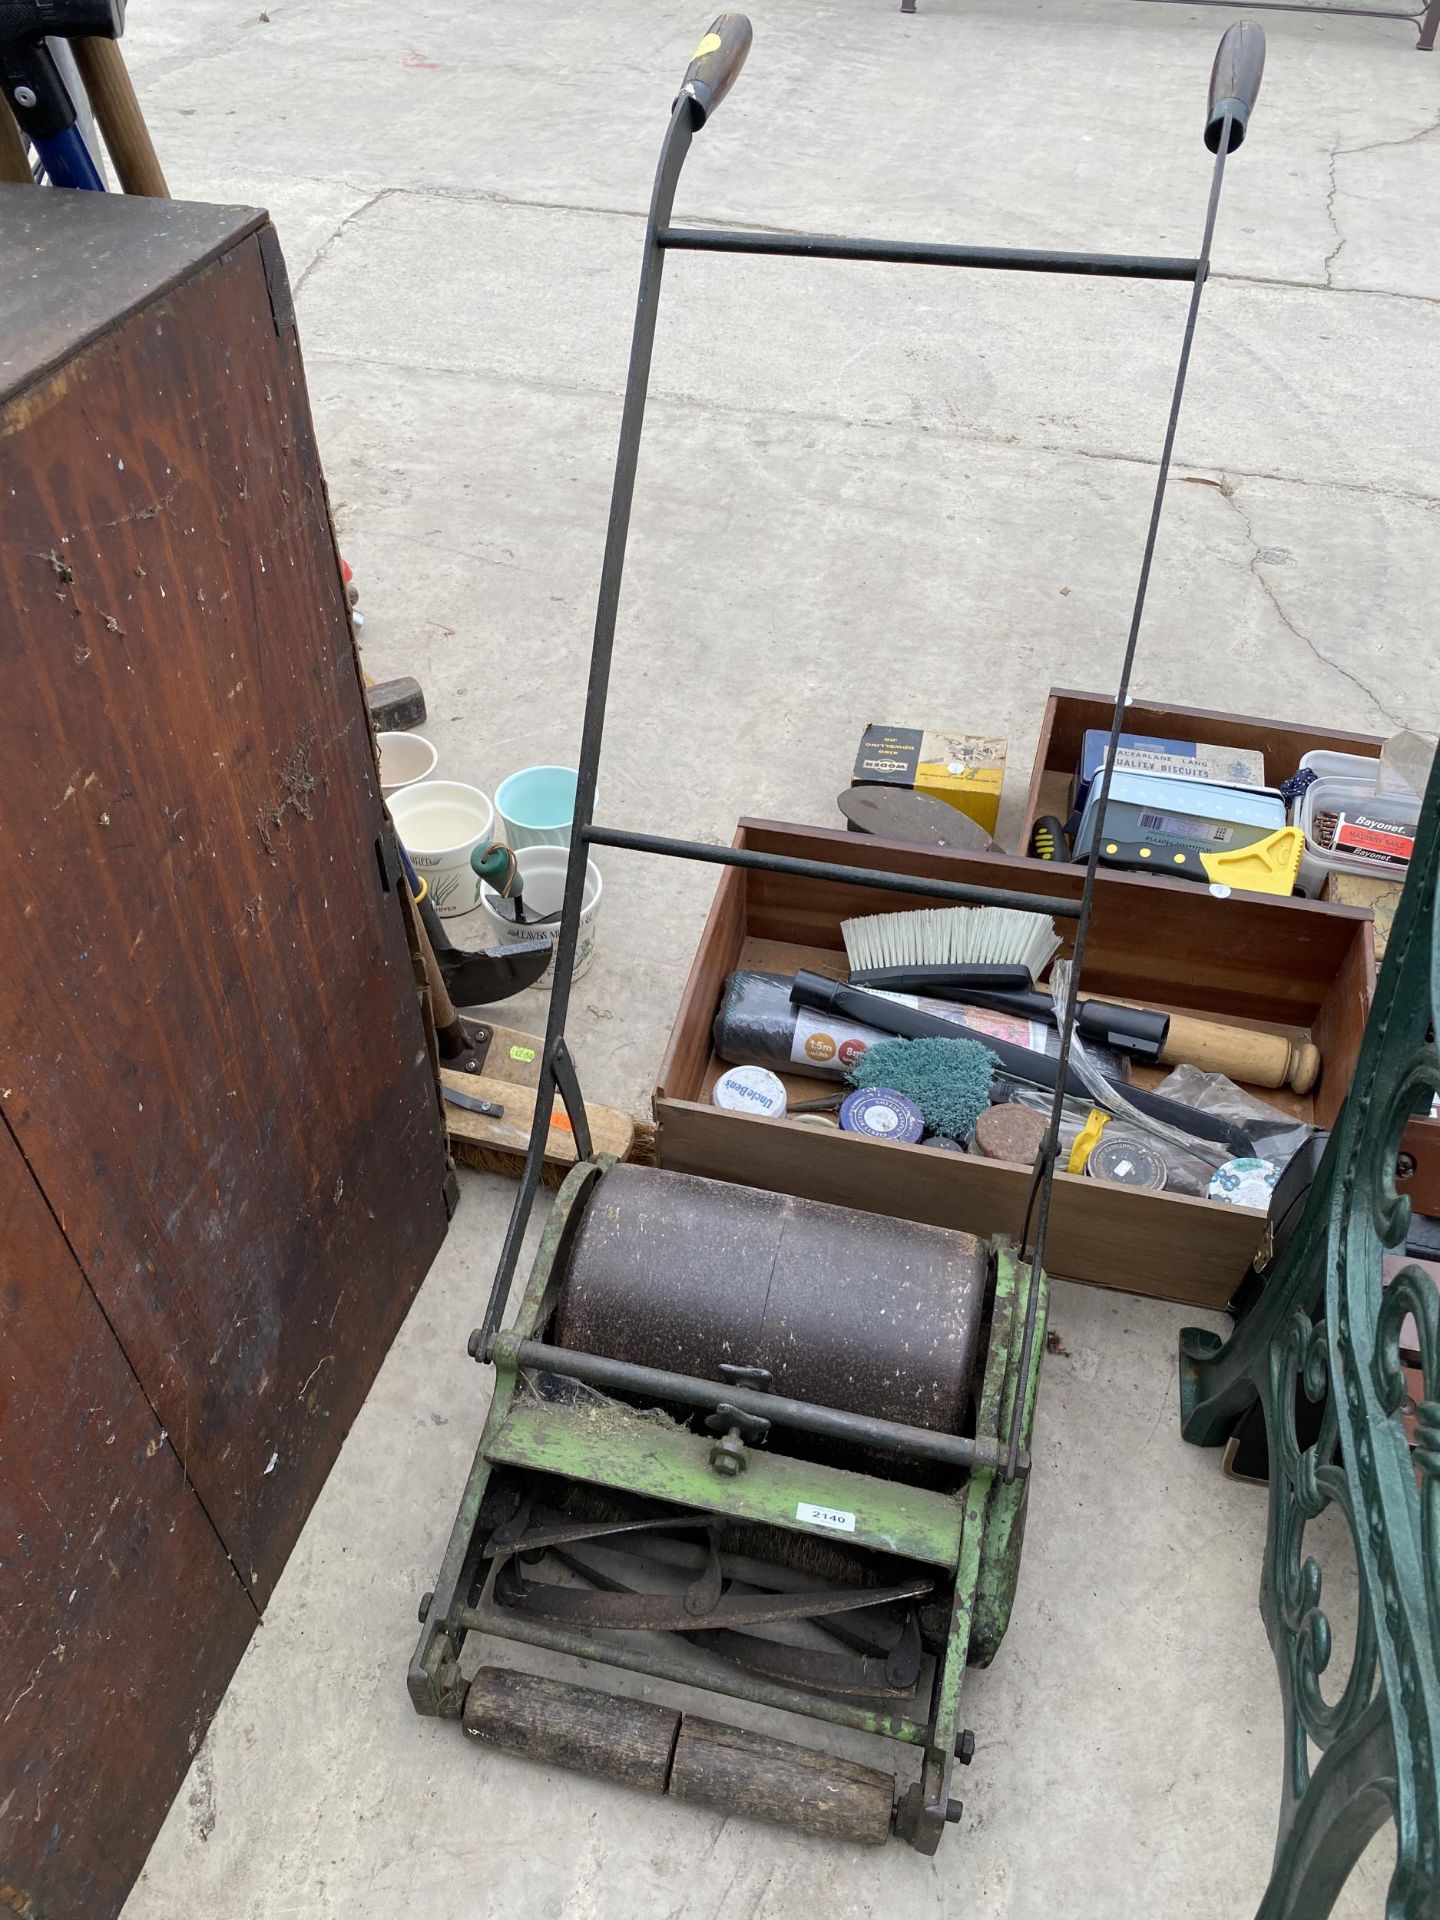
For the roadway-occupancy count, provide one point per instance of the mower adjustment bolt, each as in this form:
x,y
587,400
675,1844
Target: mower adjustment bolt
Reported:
x,y
965,1747
737,1430
727,1456
427,1600
475,1345
756,1378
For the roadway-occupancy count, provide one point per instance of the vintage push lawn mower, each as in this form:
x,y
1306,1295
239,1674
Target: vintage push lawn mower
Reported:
x,y
760,1447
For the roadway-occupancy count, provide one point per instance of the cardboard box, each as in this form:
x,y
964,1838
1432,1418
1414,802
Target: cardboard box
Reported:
x,y
1069,716
1302,965
1360,890
965,770
1281,743
1207,761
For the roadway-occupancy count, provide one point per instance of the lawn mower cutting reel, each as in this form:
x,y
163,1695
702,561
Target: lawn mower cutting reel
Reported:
x,y
751,1444
747,1444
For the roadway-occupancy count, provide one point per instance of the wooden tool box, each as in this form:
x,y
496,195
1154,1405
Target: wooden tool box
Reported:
x,y
222,1161
1069,715
1306,966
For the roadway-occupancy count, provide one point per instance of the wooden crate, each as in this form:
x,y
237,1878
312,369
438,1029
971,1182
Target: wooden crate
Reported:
x,y
229,1147
1069,716
1309,967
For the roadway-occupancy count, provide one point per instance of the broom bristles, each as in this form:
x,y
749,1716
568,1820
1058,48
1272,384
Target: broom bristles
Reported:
x,y
952,937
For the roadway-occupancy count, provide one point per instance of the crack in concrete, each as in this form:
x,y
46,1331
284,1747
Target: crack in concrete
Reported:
x,y
1319,286
492,196
1339,247
967,436
322,252
1225,487
1406,140
1338,153
1183,467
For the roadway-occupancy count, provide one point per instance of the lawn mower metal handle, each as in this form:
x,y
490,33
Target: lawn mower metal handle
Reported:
x,y
30,20
1234,82
717,61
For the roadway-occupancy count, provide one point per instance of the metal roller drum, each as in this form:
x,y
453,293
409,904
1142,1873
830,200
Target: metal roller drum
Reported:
x,y
842,1308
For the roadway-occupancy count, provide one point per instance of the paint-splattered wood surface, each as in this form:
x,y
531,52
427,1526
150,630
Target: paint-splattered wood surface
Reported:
x,y
211,1049
122,1618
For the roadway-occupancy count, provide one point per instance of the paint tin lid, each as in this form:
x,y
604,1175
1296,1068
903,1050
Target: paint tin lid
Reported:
x,y
880,1113
750,1090
1126,1163
1244,1183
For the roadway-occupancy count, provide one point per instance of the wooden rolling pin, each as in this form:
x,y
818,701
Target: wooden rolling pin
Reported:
x,y
1252,1055
1246,1054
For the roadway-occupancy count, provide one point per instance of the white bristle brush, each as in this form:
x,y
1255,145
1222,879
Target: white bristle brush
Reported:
x,y
951,937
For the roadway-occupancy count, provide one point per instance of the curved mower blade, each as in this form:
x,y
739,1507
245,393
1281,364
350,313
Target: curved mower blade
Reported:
x,y
475,979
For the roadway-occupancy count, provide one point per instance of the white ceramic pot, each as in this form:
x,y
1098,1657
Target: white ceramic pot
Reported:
x,y
542,869
404,759
440,824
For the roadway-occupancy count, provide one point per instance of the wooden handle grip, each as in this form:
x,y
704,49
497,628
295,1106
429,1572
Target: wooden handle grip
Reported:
x,y
112,99
1234,82
716,64
1242,1053
14,161
451,1040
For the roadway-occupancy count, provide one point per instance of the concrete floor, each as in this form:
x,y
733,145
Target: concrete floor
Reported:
x,y
865,493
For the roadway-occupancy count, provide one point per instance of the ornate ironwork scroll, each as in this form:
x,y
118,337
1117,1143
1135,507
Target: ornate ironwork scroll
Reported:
x,y
1321,1348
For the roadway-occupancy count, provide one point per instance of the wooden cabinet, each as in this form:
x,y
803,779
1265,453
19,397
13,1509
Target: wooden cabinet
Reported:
x,y
224,1162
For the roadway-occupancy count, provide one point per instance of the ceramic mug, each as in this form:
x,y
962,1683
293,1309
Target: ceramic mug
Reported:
x,y
542,869
537,807
440,824
404,759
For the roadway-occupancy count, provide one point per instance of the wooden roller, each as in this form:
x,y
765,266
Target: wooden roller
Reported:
x,y
738,1772
1242,1053
640,1744
562,1725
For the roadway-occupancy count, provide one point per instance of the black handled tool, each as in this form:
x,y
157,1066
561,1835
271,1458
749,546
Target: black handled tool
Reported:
x,y
35,87
1234,83
474,979
1047,839
1137,1031
716,64
1020,1063
946,983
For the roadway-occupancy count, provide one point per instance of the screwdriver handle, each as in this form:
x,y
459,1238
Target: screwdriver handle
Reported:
x,y
1047,839
1234,82
716,64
